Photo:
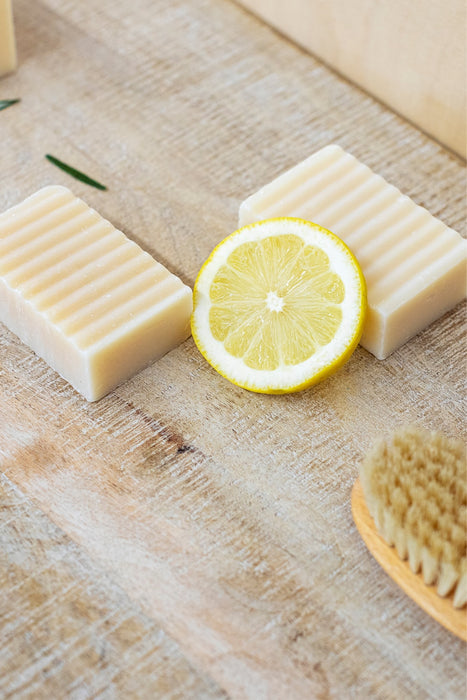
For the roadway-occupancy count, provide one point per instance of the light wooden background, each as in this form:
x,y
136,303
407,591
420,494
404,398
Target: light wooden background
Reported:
x,y
183,538
411,55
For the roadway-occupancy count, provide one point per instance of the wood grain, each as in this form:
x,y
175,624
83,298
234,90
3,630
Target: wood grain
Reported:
x,y
441,609
216,520
67,630
397,51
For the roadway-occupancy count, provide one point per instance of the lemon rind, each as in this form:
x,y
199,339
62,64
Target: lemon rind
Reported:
x,y
309,372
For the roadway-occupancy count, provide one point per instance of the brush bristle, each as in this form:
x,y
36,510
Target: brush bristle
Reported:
x,y
415,488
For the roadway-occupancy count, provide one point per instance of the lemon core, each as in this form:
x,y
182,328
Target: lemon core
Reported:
x,y
279,305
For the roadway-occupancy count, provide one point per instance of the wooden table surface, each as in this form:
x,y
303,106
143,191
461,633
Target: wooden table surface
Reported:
x,y
183,538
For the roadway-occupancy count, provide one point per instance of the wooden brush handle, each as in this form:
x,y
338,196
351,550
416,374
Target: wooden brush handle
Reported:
x,y
441,609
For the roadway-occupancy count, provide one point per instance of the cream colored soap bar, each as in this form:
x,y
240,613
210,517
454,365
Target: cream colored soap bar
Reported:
x,y
7,38
414,265
83,296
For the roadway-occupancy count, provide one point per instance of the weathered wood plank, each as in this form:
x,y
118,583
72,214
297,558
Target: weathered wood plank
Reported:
x,y
67,630
223,515
252,549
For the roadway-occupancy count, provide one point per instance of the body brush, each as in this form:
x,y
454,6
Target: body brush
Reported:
x,y
415,489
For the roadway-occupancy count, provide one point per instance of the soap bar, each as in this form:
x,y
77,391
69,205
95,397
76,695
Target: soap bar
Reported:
x,y
83,296
414,265
7,39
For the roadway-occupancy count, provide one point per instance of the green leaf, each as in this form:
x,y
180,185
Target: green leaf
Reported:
x,y
75,173
7,103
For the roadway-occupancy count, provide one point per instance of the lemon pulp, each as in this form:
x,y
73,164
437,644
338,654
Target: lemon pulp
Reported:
x,y
278,305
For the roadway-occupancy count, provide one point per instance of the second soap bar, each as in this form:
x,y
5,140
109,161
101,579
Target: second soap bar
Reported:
x,y
414,265
83,296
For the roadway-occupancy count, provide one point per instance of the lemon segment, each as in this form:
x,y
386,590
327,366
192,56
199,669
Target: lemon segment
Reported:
x,y
279,305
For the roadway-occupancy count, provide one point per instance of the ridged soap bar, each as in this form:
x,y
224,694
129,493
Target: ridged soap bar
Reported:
x,y
7,38
83,296
414,265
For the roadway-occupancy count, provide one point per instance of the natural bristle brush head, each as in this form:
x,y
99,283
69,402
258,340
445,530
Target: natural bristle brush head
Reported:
x,y
415,488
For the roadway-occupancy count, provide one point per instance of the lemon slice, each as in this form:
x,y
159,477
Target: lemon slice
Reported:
x,y
278,305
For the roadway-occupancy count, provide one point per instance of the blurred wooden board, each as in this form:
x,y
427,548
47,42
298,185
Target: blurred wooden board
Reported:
x,y
210,524
410,55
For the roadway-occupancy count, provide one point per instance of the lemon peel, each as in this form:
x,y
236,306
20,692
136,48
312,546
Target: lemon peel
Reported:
x,y
279,305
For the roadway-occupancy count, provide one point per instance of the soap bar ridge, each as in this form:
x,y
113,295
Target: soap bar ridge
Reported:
x,y
414,265
82,295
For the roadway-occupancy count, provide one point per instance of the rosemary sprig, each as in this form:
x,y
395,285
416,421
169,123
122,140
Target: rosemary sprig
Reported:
x,y
75,173
7,103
